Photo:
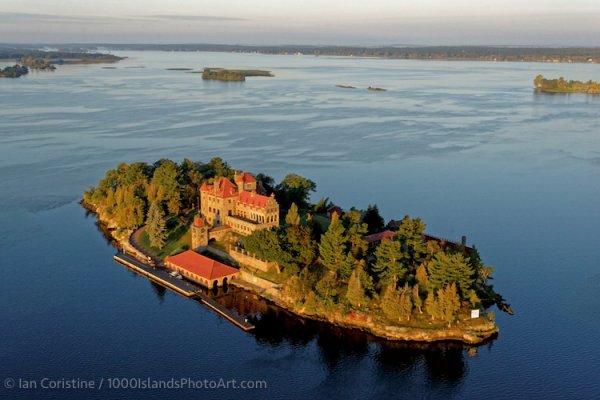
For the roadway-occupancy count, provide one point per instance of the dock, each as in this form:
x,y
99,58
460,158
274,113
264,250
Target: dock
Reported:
x,y
181,287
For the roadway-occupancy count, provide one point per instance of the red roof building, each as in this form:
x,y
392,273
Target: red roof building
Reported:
x,y
254,199
376,238
201,269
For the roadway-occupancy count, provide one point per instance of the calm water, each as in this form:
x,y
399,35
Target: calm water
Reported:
x,y
466,146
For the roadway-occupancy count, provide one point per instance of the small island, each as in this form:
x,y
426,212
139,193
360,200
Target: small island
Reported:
x,y
14,72
346,86
316,260
376,89
222,74
46,60
562,85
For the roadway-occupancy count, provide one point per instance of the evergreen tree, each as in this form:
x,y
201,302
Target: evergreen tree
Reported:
x,y
450,303
355,232
446,268
156,226
374,221
292,217
388,266
164,186
356,293
412,245
332,250
417,298
301,246
312,304
422,277
390,302
405,305
432,306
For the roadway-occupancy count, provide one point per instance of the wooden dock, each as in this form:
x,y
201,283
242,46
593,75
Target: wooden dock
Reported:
x,y
182,287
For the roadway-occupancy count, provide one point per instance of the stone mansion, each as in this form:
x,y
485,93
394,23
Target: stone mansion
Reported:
x,y
237,205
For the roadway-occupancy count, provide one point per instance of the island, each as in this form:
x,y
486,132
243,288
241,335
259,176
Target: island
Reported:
x,y
46,60
561,85
222,74
346,86
211,225
13,72
376,89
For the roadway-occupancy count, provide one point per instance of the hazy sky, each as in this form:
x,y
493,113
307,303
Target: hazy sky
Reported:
x,y
365,22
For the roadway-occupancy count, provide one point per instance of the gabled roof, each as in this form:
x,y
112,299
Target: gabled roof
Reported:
x,y
198,221
254,199
222,188
201,265
245,177
380,236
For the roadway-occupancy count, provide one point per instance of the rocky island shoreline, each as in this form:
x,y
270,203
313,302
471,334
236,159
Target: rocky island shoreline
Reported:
x,y
370,289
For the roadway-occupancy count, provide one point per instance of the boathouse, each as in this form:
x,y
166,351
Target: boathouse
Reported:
x,y
201,269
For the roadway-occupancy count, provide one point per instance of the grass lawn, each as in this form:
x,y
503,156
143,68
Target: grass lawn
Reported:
x,y
179,239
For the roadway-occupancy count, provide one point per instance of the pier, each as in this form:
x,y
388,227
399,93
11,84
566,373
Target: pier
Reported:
x,y
182,287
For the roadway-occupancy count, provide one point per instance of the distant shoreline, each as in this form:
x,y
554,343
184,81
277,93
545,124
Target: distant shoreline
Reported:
x,y
587,55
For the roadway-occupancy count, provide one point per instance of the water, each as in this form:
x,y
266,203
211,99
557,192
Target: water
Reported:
x,y
467,146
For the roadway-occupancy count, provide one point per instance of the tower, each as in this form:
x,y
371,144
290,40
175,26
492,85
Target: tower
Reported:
x,y
199,232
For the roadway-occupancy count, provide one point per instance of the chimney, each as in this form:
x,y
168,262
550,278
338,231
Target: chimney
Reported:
x,y
463,240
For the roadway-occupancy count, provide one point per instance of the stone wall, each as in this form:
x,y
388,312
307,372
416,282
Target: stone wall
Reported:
x,y
269,287
249,260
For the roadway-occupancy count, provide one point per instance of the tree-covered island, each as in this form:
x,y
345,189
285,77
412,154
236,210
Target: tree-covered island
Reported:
x,y
562,85
46,60
344,267
222,74
13,72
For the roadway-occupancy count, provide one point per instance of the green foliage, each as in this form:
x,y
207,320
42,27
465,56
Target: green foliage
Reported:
x,y
355,295
13,72
292,217
294,189
164,187
388,264
355,232
327,287
412,245
301,245
561,85
156,226
374,221
322,205
449,303
267,245
445,305
422,278
445,269
396,304
332,250
218,167
416,296
266,182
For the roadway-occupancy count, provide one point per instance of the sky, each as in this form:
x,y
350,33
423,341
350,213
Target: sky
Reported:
x,y
334,22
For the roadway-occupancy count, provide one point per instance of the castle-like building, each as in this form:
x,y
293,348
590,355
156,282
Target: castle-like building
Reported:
x,y
235,206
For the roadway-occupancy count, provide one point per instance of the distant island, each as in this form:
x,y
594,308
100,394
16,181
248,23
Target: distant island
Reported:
x,y
459,53
376,89
562,85
46,60
222,74
345,267
13,72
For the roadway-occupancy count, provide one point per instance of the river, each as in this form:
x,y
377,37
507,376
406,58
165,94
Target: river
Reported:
x,y
467,146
